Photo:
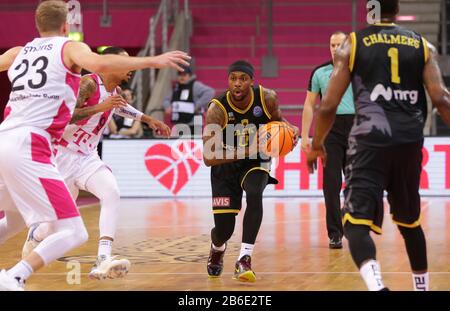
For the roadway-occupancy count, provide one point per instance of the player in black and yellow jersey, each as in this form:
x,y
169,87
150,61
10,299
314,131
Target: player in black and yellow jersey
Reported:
x,y
232,123
387,66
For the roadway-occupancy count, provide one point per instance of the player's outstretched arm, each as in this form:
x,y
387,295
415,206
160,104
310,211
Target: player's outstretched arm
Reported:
x,y
434,83
7,58
78,55
159,127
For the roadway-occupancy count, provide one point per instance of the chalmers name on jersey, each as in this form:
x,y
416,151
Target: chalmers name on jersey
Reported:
x,y
387,63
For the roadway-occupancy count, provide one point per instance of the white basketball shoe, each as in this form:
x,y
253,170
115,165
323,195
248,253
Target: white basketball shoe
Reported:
x,y
8,283
109,267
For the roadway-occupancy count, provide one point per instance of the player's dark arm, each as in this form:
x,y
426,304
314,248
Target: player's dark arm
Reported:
x,y
439,94
213,151
7,58
273,107
339,82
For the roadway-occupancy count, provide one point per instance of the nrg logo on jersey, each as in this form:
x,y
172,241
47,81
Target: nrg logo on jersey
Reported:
x,y
388,94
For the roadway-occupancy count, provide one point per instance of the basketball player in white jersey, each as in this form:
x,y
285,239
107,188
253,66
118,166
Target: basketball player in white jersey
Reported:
x,y
78,161
45,77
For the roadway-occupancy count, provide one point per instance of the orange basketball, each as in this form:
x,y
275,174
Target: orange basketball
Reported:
x,y
276,139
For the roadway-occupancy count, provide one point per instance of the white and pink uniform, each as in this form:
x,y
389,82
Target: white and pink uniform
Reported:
x,y
40,105
76,152
84,136
80,165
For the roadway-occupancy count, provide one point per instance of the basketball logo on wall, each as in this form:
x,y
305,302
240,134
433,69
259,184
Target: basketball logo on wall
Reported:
x,y
174,165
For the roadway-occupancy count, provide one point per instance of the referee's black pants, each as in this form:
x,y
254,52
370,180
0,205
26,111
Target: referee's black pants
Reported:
x,y
336,146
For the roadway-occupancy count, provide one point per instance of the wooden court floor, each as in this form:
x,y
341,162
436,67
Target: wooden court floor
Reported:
x,y
167,242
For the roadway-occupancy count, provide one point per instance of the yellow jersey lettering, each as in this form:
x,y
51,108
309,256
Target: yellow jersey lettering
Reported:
x,y
395,39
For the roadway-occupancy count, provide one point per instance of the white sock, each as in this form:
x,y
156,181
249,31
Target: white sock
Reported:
x,y
246,249
217,248
21,270
105,248
421,282
371,274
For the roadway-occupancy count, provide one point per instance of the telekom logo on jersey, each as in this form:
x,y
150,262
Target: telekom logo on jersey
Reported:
x,y
81,137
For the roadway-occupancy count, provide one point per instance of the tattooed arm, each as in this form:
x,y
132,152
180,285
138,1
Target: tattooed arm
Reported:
x,y
439,94
87,89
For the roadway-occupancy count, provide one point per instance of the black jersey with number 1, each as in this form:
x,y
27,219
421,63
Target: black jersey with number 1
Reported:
x,y
387,63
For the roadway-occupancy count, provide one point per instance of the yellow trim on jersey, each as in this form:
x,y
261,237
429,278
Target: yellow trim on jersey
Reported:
x,y
263,102
236,108
225,211
218,103
366,222
426,49
402,224
351,62
251,170
385,24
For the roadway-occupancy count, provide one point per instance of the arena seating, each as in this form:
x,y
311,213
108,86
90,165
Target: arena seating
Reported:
x,y
230,30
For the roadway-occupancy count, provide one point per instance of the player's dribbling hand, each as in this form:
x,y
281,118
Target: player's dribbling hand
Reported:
x,y
174,59
160,128
317,152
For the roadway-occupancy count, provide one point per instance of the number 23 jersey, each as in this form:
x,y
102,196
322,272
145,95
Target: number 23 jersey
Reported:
x,y
44,90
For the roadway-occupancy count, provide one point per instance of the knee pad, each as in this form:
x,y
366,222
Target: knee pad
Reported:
x,y
76,228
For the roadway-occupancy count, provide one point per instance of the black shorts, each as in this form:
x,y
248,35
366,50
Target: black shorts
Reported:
x,y
227,182
370,171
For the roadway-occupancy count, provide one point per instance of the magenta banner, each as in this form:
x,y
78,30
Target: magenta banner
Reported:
x,y
129,28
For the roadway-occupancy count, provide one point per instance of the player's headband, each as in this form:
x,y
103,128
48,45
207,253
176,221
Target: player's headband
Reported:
x,y
241,67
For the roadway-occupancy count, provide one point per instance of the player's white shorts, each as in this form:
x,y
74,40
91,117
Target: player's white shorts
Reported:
x,y
29,179
77,168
